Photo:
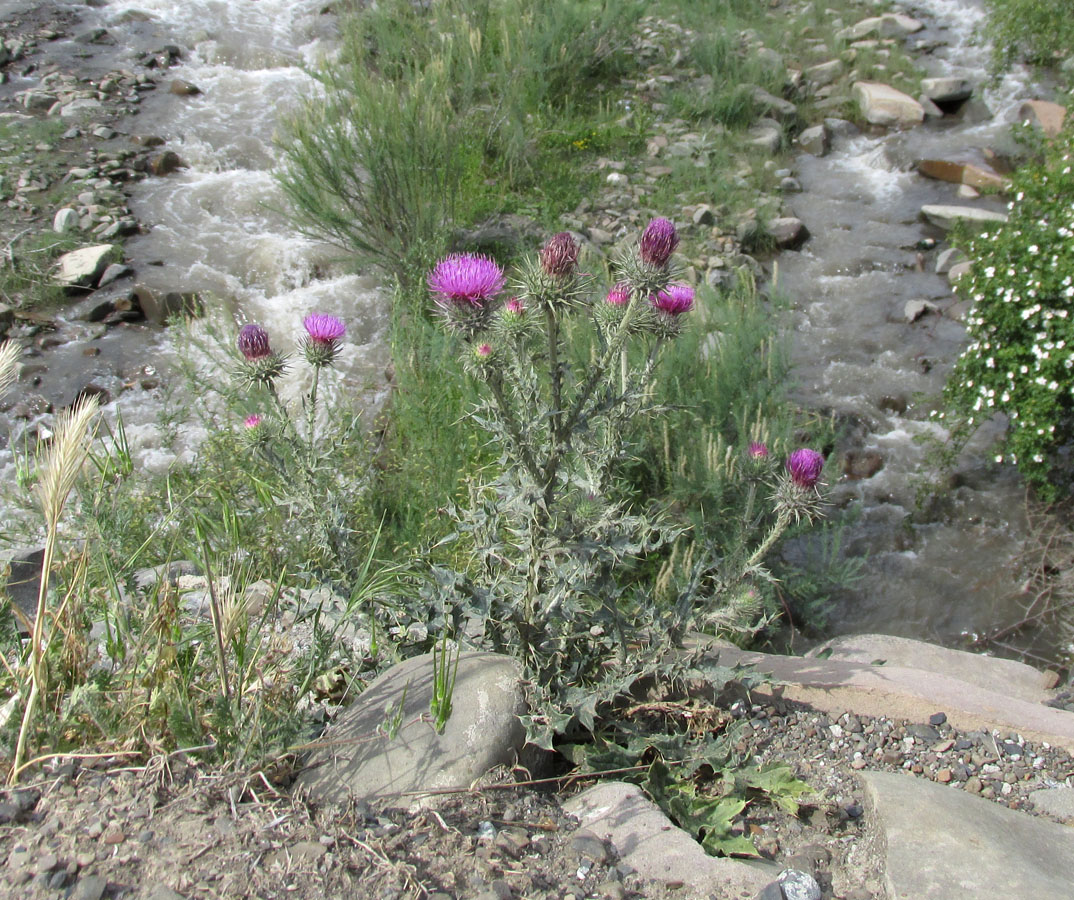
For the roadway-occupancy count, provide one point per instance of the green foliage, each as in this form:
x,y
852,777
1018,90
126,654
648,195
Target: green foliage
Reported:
x,y
1038,31
1021,330
680,751
425,104
554,538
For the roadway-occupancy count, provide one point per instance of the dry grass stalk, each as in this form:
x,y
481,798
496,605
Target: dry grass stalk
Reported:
x,y
64,460
9,364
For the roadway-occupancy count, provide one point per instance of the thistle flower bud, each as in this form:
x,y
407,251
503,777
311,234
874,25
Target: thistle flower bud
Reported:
x,y
261,366
619,295
658,242
757,450
481,359
322,342
559,256
674,300
804,466
252,422
254,343
254,430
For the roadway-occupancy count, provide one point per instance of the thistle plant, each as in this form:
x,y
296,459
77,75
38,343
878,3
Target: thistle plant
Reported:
x,y
287,439
568,370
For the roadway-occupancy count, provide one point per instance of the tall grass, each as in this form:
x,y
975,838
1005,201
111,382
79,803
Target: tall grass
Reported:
x,y
421,100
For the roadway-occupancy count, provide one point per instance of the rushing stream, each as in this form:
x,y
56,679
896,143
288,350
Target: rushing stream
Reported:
x,y
943,574
213,227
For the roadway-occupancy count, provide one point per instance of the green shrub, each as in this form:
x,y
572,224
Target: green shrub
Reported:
x,y
1021,352
1038,31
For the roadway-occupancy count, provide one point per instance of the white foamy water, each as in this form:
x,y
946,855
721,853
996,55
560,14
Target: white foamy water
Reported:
x,y
217,226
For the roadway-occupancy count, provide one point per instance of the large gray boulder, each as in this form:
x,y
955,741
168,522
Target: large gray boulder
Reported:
x,y
649,843
881,104
947,89
359,760
938,843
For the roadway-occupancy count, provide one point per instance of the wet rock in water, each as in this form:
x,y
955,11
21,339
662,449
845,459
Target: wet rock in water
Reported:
x,y
147,140
165,163
889,25
483,731
965,192
159,308
858,465
958,270
917,309
947,89
841,128
183,88
1045,115
947,258
815,140
881,104
113,273
81,268
788,232
931,110
961,173
947,216
790,185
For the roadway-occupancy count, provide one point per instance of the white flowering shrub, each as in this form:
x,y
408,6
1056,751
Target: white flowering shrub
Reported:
x,y
1020,358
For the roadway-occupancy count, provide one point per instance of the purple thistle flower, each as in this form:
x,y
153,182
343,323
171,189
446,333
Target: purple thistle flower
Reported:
x,y
675,299
619,295
323,329
559,256
658,242
465,278
483,351
515,306
805,466
254,342
757,450
252,422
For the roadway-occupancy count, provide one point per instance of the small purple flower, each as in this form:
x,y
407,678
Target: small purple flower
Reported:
x,y
252,422
658,242
483,351
254,343
465,278
559,257
515,306
757,450
805,466
675,299
323,329
619,295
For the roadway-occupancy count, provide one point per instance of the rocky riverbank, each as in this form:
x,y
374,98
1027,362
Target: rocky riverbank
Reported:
x,y
911,792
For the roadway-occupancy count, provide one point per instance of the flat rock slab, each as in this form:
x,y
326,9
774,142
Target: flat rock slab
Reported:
x,y
901,692
81,268
648,842
946,217
941,843
1006,676
1057,802
484,731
